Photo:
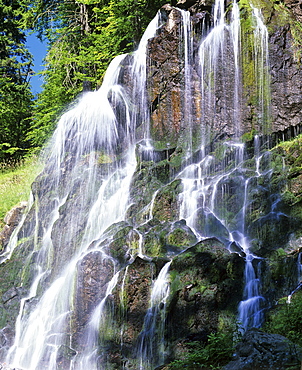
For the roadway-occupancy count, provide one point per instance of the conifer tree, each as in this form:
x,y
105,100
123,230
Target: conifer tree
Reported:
x,y
84,36
15,94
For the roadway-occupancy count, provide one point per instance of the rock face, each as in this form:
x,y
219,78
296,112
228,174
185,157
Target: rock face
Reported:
x,y
286,79
206,286
12,219
168,70
258,350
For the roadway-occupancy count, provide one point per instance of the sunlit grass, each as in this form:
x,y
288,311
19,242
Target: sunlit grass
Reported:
x,y
15,184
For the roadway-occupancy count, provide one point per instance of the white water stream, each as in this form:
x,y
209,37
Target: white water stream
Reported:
x,y
90,135
41,333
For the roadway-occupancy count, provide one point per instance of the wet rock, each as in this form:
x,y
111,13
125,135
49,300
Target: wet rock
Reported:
x,y
259,350
166,239
11,219
94,273
132,302
286,79
10,294
206,280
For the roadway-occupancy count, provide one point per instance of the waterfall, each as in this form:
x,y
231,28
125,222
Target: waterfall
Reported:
x,y
299,281
90,228
44,331
99,321
87,137
216,62
188,49
151,345
138,74
261,60
14,237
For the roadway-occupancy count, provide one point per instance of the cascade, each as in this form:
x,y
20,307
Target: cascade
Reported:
x,y
14,237
188,48
151,340
299,281
261,60
42,333
93,239
89,358
215,64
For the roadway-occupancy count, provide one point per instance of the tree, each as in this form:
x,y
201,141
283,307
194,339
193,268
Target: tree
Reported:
x,y
15,95
84,36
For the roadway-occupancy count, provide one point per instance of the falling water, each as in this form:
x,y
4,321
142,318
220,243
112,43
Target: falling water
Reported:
x,y
98,322
13,241
90,134
216,62
261,61
201,204
85,191
138,74
45,329
188,50
151,345
299,280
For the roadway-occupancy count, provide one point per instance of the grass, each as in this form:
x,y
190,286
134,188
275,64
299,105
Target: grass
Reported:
x,y
15,184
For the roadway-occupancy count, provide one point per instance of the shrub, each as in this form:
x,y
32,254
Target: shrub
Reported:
x,y
285,319
215,354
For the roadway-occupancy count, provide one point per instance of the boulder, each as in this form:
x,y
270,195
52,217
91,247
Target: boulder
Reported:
x,y
259,350
11,219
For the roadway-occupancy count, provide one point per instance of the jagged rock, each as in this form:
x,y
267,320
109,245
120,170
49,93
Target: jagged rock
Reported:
x,y
286,79
135,300
296,7
94,273
11,219
259,350
206,281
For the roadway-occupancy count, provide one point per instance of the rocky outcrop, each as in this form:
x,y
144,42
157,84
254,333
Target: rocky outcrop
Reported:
x,y
168,70
258,350
286,78
205,287
12,219
296,7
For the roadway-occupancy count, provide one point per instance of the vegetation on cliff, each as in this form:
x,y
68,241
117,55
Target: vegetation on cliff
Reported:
x,y
15,184
82,36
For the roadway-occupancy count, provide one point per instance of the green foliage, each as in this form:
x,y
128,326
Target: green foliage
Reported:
x,y
15,95
285,319
15,185
84,36
215,354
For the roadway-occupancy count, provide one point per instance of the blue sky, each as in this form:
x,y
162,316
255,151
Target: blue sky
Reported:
x,y
38,50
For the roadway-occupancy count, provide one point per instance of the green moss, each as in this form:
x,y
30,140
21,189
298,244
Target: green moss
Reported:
x,y
214,355
285,319
180,238
15,185
248,136
153,246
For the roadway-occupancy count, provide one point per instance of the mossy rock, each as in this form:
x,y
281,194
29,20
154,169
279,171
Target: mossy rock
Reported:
x,y
121,242
167,239
206,281
166,202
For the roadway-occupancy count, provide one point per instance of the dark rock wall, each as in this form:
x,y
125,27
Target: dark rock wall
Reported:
x,y
166,77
